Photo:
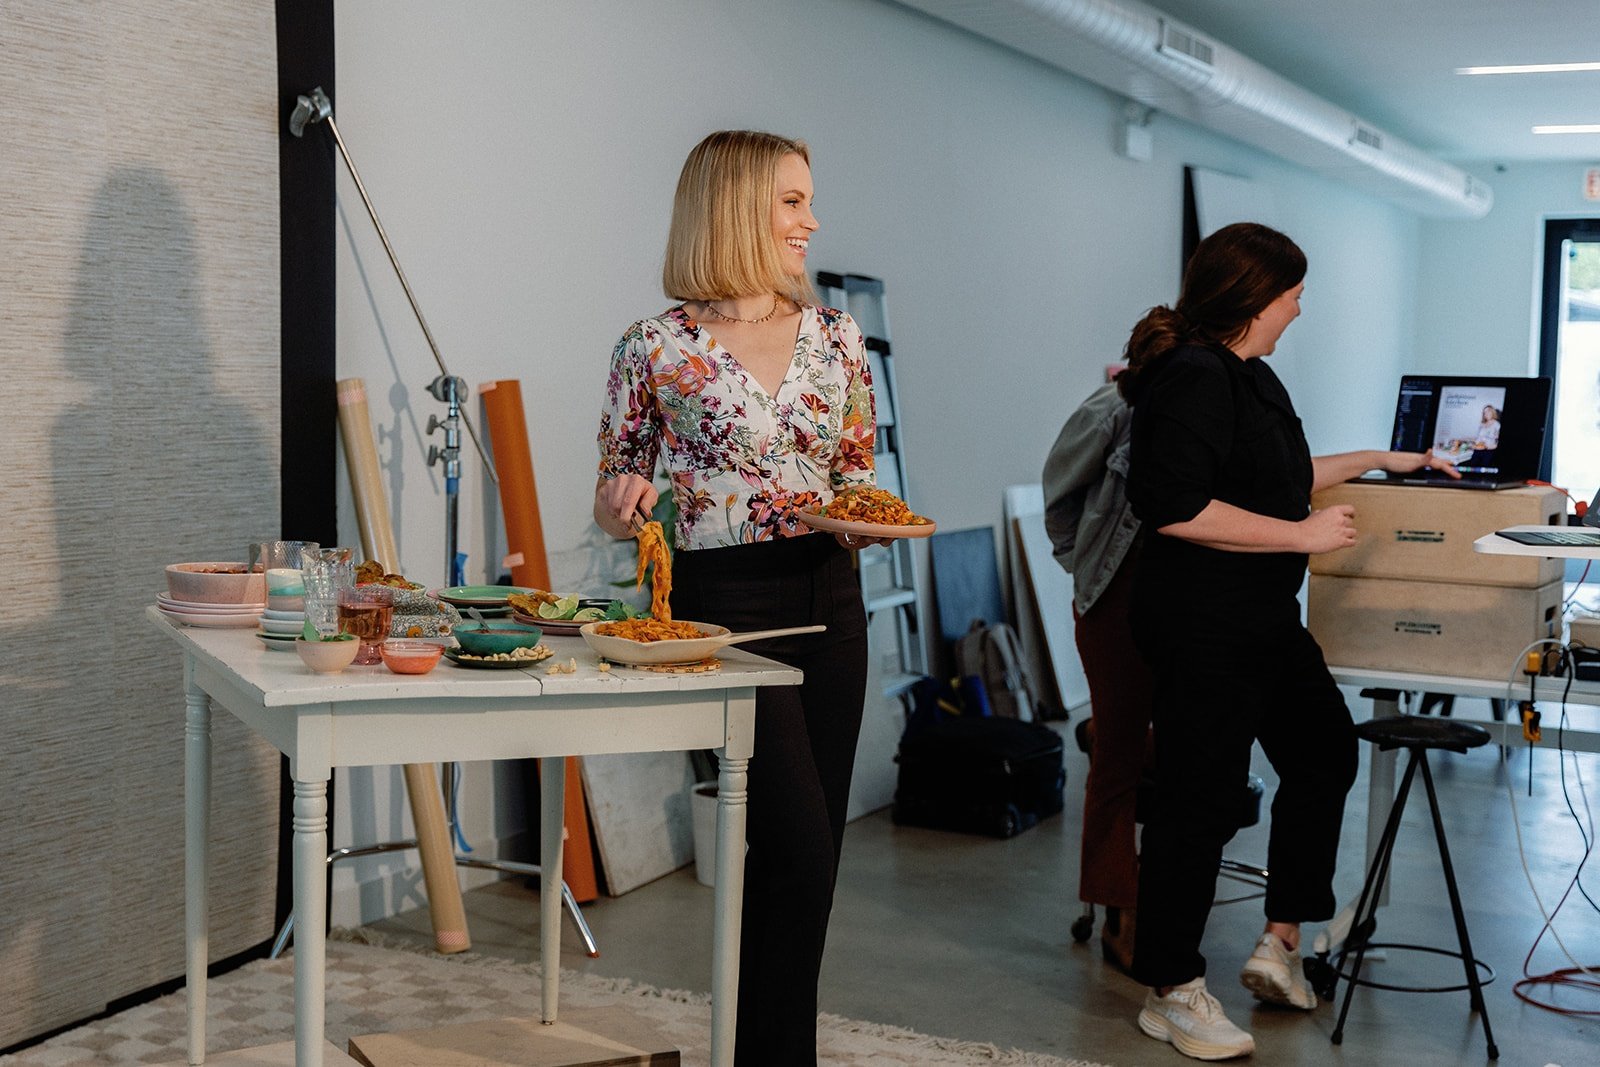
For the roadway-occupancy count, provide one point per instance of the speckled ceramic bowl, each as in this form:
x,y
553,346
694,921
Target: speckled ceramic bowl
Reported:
x,y
215,583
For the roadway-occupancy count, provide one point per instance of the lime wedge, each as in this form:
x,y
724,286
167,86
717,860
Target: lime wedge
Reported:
x,y
589,614
549,611
568,606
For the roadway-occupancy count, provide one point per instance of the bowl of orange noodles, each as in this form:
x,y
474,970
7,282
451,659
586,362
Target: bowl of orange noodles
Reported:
x,y
656,643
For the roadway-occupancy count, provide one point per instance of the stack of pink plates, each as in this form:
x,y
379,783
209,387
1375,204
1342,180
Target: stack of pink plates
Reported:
x,y
192,613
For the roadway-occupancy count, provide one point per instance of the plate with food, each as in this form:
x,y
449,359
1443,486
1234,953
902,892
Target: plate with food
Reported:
x,y
371,572
656,643
868,511
479,596
502,662
564,616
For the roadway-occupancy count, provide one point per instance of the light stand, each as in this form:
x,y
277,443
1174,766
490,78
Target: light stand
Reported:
x,y
452,391
311,109
314,108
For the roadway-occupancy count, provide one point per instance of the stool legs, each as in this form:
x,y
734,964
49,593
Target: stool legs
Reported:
x,y
1468,960
1366,920
1372,892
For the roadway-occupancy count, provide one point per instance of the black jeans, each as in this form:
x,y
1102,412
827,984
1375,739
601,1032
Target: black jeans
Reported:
x,y
805,745
1221,685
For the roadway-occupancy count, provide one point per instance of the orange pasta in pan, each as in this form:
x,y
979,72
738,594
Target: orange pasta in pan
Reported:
x,y
653,551
649,630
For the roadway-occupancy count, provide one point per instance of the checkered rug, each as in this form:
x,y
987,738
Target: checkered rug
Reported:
x,y
373,989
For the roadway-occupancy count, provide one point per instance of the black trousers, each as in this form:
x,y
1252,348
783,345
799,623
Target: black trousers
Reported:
x,y
805,745
1219,686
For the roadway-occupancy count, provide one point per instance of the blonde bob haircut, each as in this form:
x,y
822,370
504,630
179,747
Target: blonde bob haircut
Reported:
x,y
720,245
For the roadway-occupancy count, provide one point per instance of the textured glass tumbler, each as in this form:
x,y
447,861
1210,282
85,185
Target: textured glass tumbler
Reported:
x,y
327,572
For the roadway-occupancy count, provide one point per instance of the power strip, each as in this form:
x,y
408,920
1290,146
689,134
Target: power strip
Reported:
x,y
1585,663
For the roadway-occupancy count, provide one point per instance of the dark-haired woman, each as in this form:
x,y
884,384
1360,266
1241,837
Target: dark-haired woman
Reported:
x,y
1222,478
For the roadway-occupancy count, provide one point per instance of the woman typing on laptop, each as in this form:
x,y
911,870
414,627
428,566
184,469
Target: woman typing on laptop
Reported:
x,y
1222,478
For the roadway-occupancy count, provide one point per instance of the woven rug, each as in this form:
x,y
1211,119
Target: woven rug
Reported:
x,y
372,989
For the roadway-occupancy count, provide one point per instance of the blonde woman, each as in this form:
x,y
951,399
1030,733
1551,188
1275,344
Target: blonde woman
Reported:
x,y
759,404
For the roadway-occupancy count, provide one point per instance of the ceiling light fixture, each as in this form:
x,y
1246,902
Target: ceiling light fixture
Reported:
x,y
1590,127
1530,68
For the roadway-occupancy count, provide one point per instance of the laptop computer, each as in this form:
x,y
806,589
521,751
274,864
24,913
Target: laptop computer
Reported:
x,y
1585,536
1492,429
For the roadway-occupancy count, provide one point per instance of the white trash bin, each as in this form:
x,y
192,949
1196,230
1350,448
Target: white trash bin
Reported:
x,y
703,811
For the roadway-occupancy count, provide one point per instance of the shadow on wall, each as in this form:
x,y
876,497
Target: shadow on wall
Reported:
x,y
148,459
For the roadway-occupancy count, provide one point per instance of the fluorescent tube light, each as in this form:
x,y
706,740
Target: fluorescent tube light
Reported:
x,y
1591,127
1530,68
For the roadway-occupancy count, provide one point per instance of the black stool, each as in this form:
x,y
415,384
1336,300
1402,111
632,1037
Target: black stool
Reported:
x,y
1415,734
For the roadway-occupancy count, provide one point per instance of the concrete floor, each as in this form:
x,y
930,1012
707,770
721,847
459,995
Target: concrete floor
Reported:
x,y
969,937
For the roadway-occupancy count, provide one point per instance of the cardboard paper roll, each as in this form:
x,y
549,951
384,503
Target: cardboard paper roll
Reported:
x,y
366,478
438,861
519,499
422,785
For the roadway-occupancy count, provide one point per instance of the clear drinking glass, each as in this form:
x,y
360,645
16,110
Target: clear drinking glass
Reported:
x,y
280,564
326,571
367,611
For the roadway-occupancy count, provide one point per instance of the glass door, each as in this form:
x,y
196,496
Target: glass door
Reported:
x,y
1569,354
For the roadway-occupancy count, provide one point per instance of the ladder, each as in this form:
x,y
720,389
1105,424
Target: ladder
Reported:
x,y
890,579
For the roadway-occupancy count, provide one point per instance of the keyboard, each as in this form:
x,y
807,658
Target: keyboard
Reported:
x,y
1567,538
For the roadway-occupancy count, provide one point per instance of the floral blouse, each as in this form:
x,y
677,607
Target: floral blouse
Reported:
x,y
741,462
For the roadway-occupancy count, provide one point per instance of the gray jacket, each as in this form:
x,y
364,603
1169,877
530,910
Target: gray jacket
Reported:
x,y
1086,508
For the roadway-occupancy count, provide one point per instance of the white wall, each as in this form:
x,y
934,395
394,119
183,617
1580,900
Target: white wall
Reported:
x,y
1478,283
523,157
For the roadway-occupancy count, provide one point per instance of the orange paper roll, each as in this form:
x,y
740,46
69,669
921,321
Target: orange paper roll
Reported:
x,y
519,499
530,566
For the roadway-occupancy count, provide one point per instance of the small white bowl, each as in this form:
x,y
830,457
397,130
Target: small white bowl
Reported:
x,y
287,627
327,657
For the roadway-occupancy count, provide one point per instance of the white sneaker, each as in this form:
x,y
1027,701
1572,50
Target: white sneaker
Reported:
x,y
1274,974
1192,1020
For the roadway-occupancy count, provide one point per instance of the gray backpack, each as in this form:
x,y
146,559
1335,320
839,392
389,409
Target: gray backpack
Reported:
x,y
991,671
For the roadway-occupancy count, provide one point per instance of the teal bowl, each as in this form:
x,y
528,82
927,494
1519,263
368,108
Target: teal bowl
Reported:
x,y
501,636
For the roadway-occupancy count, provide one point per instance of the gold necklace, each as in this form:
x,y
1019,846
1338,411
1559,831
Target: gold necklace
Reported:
x,y
748,322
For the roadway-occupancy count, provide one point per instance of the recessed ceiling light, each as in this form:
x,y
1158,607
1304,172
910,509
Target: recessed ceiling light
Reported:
x,y
1591,127
1530,68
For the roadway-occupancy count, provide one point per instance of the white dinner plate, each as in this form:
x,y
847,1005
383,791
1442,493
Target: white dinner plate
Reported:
x,y
285,627
171,603
230,622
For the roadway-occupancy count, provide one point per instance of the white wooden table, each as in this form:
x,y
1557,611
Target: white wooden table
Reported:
x,y
369,716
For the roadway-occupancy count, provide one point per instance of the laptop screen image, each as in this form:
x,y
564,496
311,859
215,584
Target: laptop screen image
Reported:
x,y
1492,429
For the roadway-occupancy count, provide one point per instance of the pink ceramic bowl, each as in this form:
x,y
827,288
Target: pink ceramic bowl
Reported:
x,y
410,657
215,583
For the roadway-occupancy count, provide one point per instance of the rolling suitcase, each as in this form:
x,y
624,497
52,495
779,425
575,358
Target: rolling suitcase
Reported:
x,y
993,776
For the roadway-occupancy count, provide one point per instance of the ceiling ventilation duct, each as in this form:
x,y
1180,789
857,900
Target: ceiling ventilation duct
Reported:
x,y
1143,54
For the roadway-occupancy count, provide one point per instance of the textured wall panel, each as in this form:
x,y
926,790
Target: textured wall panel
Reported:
x,y
139,324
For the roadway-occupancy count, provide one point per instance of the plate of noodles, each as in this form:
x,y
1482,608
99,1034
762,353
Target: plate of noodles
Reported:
x,y
654,642
868,511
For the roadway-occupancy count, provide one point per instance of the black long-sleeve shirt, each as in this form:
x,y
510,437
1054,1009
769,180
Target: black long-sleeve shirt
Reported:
x,y
1211,426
